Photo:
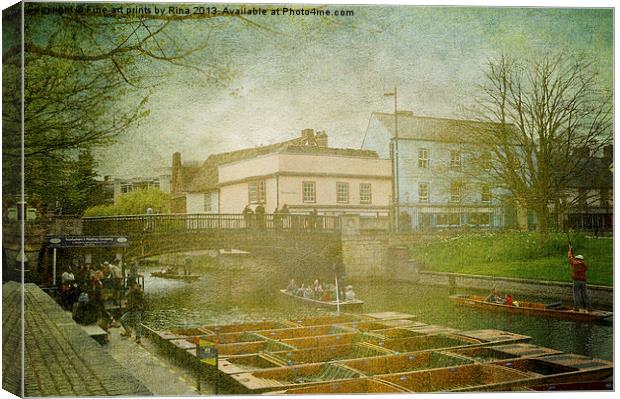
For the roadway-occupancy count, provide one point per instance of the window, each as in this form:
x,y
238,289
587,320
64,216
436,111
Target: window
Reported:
x,y
485,161
207,202
480,219
365,193
486,193
422,158
342,192
309,191
448,219
455,160
256,191
456,189
423,192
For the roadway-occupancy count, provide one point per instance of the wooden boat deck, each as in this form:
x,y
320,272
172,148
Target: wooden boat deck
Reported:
x,y
471,376
385,353
532,308
502,352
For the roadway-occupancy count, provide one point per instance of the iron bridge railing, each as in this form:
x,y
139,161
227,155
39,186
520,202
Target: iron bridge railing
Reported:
x,y
182,223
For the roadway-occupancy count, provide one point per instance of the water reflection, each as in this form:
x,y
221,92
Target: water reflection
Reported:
x,y
243,289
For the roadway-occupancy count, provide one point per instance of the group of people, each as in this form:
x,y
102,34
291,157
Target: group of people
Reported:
x,y
281,219
321,292
495,297
86,291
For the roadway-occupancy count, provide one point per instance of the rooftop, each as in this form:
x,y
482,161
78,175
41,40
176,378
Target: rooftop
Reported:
x,y
428,128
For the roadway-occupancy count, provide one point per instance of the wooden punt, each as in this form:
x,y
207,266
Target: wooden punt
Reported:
x,y
365,385
277,334
291,377
471,376
349,305
389,316
503,352
557,369
426,342
246,363
494,336
607,385
390,364
532,308
245,348
322,340
176,276
247,327
301,332
365,326
324,320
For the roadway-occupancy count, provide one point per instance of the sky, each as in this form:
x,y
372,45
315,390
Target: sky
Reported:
x,y
331,74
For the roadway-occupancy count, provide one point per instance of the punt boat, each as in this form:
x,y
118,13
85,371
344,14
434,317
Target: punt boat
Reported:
x,y
350,304
532,308
176,276
360,385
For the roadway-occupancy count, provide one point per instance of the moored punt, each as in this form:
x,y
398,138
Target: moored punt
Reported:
x,y
389,316
346,304
176,276
503,352
360,385
245,363
552,369
325,320
291,377
404,362
250,327
606,385
532,308
492,335
426,342
471,376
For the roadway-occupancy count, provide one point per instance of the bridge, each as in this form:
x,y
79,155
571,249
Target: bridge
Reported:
x,y
361,243
151,235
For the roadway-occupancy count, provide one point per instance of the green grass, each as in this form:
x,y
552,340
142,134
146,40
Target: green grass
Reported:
x,y
514,254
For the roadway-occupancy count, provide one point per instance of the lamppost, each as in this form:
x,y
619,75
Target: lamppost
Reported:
x,y
395,173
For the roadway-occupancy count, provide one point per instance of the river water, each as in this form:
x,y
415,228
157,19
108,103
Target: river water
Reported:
x,y
243,288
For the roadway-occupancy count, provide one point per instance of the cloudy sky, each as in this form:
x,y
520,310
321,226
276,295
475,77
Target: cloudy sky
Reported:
x,y
331,73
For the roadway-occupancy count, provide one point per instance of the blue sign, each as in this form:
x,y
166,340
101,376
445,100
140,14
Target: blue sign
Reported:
x,y
87,241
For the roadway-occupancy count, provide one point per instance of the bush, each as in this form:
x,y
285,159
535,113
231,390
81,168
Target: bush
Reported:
x,y
134,203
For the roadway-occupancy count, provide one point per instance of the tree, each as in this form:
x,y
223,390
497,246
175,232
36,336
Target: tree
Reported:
x,y
540,116
134,203
87,78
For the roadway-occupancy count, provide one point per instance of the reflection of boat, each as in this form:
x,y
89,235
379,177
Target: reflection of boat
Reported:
x,y
532,308
355,303
176,276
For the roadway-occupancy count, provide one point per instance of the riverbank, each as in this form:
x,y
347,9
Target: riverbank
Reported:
x,y
514,255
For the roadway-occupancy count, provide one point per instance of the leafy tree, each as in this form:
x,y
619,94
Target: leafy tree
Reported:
x,y
542,114
88,78
134,203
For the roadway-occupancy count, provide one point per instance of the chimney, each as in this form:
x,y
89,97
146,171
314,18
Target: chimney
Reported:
x,y
175,182
307,134
321,139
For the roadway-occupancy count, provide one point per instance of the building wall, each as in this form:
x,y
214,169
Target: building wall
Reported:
x,y
439,176
284,175
196,202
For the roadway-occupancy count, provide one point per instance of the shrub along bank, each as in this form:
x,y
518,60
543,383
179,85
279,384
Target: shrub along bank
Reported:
x,y
515,254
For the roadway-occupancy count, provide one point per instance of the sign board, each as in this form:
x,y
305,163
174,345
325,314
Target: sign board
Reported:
x,y
207,352
87,241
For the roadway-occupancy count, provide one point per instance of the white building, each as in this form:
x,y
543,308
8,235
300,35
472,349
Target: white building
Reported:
x,y
303,174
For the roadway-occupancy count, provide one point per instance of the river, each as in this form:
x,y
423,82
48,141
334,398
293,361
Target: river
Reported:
x,y
242,288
